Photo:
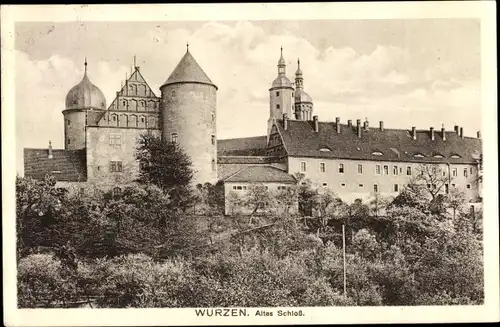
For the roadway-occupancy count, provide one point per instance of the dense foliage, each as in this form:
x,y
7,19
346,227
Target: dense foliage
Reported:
x,y
135,250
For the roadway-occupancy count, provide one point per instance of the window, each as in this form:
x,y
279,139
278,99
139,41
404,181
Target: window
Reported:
x,y
453,185
341,168
400,170
455,156
377,153
343,184
375,188
377,170
471,209
468,185
282,187
174,138
277,94
471,170
69,122
213,117
69,141
395,170
142,119
466,172
213,139
214,166
360,169
81,191
322,167
239,187
114,118
303,166
117,191
408,171
434,186
277,106
386,170
115,166
361,185
396,188
446,188
438,156
115,139
325,184
429,186
444,173
418,155
324,150
455,172
142,167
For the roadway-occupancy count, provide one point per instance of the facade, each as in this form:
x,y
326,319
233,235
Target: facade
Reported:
x,y
353,160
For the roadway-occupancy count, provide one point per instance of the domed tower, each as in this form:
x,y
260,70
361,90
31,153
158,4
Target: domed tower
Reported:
x,y
280,95
303,101
188,109
81,98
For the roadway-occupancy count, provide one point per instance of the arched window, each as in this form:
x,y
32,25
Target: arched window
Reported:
x,y
213,165
174,138
117,191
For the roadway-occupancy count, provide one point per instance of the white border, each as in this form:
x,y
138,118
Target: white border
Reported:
x,y
484,10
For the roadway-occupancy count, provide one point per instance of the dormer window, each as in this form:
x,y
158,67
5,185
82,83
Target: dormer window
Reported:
x,y
439,156
418,155
455,156
377,153
324,150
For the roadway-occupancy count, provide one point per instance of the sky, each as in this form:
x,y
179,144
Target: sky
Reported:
x,y
407,73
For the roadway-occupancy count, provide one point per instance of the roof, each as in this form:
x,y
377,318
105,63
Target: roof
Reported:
x,y
66,165
301,140
262,174
188,71
301,96
85,95
246,159
245,146
93,117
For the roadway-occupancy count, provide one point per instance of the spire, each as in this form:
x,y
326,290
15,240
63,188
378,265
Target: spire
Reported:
x,y
298,72
85,64
187,46
281,64
299,80
135,65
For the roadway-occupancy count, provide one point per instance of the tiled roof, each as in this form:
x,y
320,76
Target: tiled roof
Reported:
x,y
66,165
188,70
93,117
246,159
261,174
301,140
246,146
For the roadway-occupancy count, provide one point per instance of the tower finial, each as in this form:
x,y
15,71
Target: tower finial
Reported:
x,y
187,46
135,65
281,50
85,64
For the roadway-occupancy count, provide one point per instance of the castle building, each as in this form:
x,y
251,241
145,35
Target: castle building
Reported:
x,y
354,161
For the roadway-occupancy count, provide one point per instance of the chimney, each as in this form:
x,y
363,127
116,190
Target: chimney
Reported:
x,y
461,132
478,134
285,121
51,156
337,124
414,132
358,125
432,133
443,133
456,129
316,123
381,125
349,123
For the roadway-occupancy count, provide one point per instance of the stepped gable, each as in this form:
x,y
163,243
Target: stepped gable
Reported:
x,y
301,140
261,174
66,165
245,146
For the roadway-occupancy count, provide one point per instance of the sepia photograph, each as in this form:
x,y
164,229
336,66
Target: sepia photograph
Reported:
x,y
254,168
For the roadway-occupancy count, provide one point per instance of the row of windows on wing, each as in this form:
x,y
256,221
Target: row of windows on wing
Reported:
x,y
278,94
140,90
136,105
123,120
117,166
395,187
415,155
244,187
379,169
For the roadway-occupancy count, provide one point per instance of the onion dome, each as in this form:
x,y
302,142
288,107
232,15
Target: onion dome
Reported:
x,y
188,71
302,97
85,95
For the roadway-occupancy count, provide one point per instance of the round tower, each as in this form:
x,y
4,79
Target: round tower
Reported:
x,y
81,98
303,101
188,107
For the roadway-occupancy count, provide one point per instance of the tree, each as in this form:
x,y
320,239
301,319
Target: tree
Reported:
x,y
257,197
433,178
378,203
455,200
287,198
166,165
234,202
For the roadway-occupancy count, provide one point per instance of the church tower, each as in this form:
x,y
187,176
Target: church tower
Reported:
x,y
303,101
280,95
81,99
188,110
